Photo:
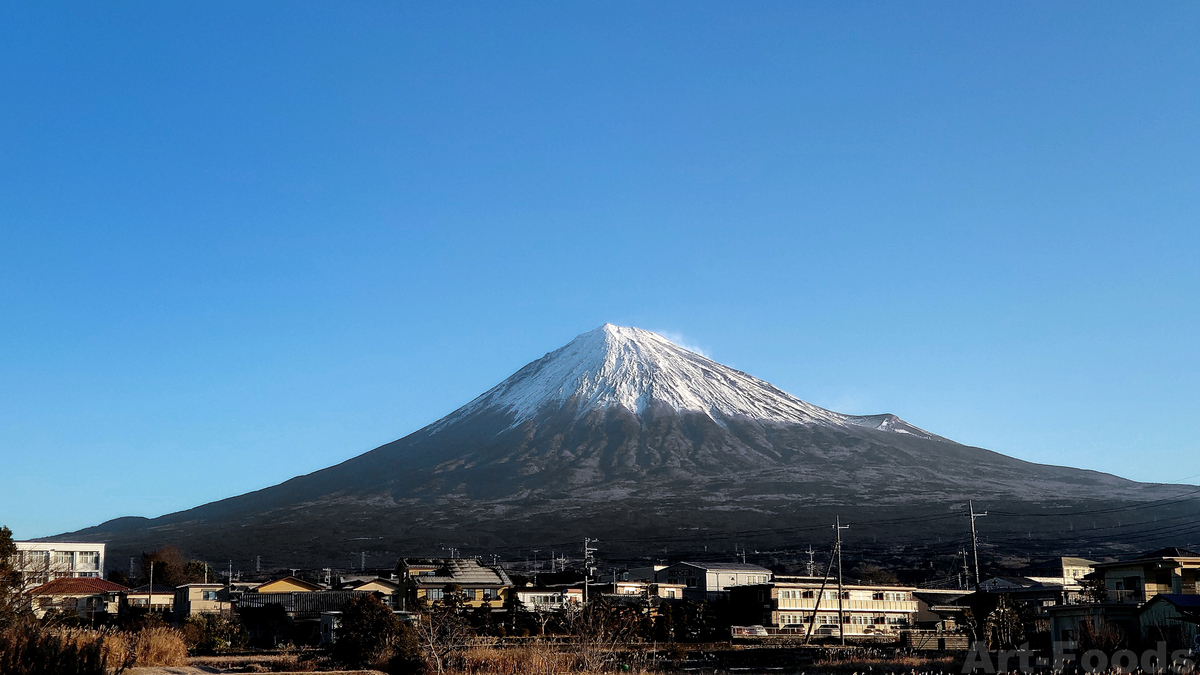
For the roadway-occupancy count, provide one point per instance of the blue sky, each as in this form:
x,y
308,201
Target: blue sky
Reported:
x,y
244,241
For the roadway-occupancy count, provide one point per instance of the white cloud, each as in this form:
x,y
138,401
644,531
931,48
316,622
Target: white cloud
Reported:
x,y
682,341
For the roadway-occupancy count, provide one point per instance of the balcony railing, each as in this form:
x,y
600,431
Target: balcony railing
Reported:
x,y
850,605
1125,596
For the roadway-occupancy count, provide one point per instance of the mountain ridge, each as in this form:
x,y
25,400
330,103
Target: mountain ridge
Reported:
x,y
621,433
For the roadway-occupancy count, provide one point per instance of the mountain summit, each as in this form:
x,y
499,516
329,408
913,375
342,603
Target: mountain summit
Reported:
x,y
623,435
636,369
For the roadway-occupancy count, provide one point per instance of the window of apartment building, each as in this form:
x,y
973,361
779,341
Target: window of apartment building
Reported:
x,y
64,558
34,560
809,594
88,560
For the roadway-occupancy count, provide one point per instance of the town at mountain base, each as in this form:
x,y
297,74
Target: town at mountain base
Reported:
x,y
624,436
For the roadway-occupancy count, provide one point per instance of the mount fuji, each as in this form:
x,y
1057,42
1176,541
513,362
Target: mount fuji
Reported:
x,y
626,436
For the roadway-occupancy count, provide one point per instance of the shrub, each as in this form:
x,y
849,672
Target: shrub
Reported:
x,y
371,635
213,633
158,646
28,649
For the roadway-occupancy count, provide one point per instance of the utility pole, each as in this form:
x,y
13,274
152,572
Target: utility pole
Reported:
x,y
258,563
362,562
587,565
966,573
820,594
812,565
150,596
838,527
975,538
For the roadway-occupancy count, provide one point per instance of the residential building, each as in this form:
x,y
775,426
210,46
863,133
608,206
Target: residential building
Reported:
x,y
645,589
374,585
1174,619
1063,571
160,598
940,609
641,573
289,585
428,578
708,581
1069,622
193,599
1170,571
85,597
794,602
1032,593
42,561
552,598
271,617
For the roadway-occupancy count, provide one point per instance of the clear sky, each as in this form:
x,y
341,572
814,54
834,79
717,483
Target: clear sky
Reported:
x,y
244,241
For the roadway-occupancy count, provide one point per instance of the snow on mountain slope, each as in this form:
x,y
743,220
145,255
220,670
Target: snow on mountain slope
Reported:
x,y
630,367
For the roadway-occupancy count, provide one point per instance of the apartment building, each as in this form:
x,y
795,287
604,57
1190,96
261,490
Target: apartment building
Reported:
x,y
42,561
709,581
794,602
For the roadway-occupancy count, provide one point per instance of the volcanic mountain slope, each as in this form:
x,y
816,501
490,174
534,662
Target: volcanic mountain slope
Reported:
x,y
624,435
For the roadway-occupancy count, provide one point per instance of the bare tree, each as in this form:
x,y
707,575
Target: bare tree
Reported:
x,y
443,630
598,630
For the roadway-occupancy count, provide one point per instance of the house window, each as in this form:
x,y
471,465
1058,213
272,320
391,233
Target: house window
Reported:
x,y
64,558
89,560
491,594
209,595
434,594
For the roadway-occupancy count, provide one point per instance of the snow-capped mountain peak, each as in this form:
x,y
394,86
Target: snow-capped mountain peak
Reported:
x,y
633,368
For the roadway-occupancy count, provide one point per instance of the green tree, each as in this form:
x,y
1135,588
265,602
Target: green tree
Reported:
x,y
10,579
199,572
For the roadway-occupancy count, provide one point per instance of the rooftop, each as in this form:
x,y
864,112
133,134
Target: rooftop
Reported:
x,y
77,586
159,589
728,567
461,571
